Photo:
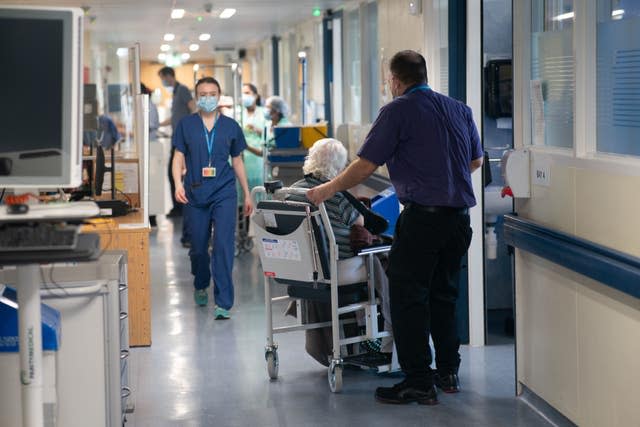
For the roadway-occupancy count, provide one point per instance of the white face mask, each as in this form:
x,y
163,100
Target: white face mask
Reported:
x,y
248,100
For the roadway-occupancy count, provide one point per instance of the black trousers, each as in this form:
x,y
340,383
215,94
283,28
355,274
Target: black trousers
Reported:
x,y
424,268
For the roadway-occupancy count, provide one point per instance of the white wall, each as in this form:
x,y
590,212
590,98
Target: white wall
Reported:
x,y
578,341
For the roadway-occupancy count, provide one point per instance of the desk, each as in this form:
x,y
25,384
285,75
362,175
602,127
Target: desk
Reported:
x,y
128,233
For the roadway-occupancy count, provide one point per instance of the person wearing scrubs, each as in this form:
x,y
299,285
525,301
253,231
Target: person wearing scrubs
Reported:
x,y
253,132
203,143
276,112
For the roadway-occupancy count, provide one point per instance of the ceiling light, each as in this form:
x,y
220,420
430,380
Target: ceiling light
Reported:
x,y
204,37
177,14
173,61
162,56
165,47
185,56
193,47
169,37
564,16
617,14
227,13
122,52
199,19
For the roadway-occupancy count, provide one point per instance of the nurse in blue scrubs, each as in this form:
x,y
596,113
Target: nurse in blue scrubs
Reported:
x,y
206,184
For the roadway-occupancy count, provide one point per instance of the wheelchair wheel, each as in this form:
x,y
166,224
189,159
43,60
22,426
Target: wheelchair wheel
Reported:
x,y
237,249
247,245
272,363
334,375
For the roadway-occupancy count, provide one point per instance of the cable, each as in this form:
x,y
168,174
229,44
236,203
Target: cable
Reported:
x,y
109,231
4,190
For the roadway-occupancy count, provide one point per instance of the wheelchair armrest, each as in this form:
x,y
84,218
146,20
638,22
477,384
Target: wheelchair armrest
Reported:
x,y
375,249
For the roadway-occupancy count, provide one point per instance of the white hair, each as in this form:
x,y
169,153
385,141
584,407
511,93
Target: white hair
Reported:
x,y
326,159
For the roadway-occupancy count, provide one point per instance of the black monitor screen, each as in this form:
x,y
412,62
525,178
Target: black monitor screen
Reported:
x,y
31,76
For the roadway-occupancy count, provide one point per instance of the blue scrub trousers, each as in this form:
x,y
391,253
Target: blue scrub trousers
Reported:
x,y
221,215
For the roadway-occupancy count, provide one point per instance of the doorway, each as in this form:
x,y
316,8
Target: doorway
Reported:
x,y
497,136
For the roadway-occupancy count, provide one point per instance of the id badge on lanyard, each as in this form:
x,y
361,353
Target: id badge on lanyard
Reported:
x,y
209,171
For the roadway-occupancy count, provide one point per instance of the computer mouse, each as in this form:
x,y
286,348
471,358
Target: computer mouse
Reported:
x,y
17,209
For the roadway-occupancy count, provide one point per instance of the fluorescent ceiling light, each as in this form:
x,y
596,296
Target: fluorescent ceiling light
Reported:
x,y
177,14
122,52
564,16
617,13
185,56
165,47
162,56
204,37
173,61
227,13
193,47
169,37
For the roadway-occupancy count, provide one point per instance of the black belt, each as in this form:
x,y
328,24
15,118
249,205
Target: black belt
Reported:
x,y
438,209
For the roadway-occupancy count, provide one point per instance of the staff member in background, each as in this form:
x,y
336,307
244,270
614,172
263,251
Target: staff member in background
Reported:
x,y
203,143
182,105
431,146
276,112
253,129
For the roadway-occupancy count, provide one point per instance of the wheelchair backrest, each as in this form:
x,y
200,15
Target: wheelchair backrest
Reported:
x,y
292,241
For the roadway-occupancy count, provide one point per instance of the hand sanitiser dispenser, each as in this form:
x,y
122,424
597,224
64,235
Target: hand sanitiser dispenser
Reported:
x,y
516,173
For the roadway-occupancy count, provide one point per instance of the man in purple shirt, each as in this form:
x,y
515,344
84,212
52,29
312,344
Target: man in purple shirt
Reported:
x,y
431,146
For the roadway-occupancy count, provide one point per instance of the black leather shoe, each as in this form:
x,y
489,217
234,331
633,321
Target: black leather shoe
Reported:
x,y
405,392
449,383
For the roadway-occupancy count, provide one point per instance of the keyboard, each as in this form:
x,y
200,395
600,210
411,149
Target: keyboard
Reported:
x,y
38,237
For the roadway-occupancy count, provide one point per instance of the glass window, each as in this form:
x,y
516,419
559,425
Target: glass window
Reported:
x,y
552,73
618,76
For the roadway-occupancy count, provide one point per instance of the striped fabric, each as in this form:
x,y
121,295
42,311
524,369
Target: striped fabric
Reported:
x,y
341,213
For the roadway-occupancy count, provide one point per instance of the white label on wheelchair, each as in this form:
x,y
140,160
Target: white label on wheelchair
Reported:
x,y
270,219
281,249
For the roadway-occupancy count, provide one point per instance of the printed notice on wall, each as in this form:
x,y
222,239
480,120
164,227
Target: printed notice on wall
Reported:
x,y
281,249
537,113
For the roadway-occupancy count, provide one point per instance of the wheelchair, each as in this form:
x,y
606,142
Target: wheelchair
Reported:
x,y
298,249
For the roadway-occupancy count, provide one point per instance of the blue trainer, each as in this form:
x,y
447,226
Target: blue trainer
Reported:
x,y
201,297
222,314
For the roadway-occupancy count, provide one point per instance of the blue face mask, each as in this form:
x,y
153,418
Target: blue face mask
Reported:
x,y
208,104
166,83
248,100
267,114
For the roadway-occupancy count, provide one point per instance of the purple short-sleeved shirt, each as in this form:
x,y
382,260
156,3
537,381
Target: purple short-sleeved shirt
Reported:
x,y
427,141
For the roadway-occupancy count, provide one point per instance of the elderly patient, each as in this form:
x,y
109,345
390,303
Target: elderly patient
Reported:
x,y
326,159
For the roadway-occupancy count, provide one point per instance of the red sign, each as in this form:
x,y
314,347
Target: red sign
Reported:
x,y
270,274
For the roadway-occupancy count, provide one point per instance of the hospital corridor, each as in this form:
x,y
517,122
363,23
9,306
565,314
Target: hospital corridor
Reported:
x,y
203,372
292,213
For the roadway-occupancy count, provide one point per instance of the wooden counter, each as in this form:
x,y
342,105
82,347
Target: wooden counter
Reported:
x,y
128,233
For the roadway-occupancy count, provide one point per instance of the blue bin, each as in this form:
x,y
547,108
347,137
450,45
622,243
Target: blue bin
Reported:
x,y
287,136
387,204
9,342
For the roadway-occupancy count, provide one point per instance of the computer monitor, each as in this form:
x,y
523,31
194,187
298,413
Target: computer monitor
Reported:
x,y
40,114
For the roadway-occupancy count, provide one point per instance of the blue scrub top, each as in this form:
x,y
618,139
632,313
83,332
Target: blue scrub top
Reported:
x,y
189,138
428,141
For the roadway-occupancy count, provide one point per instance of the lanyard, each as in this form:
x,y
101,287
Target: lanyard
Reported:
x,y
417,88
211,139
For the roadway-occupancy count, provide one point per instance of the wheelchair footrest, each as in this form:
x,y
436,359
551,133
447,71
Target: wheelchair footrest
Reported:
x,y
370,360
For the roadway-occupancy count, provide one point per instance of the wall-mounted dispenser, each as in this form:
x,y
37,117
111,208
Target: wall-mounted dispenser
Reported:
x,y
516,173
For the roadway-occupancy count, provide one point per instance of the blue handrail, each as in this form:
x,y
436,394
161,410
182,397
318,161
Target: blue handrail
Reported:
x,y
610,267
